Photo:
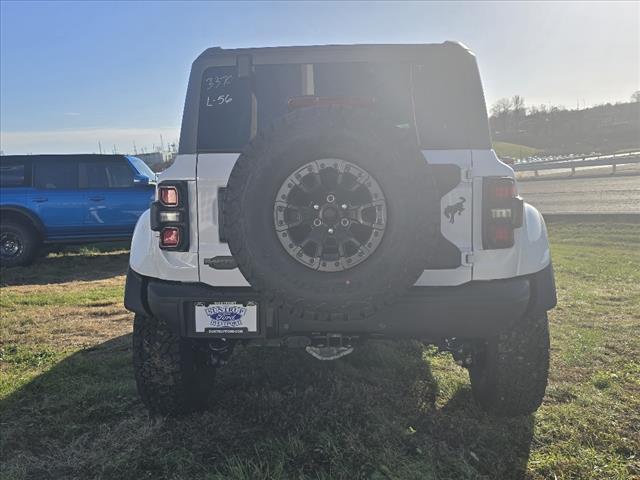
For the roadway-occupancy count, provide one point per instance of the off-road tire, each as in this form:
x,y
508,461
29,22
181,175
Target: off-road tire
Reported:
x,y
509,372
172,375
29,243
358,136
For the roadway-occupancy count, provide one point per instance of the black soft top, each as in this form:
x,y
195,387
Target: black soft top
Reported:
x,y
456,117
416,52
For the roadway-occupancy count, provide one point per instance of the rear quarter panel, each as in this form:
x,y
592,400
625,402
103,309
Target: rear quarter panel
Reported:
x,y
530,253
213,173
146,257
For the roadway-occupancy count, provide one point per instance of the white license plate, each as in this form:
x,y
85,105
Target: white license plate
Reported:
x,y
226,318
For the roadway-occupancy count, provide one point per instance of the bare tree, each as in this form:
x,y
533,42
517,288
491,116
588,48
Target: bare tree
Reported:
x,y
635,96
501,107
517,103
501,111
519,111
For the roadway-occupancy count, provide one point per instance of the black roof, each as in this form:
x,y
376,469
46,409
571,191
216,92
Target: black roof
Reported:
x,y
337,53
61,156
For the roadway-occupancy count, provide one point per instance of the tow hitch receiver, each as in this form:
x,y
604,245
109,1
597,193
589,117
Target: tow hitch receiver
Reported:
x,y
330,347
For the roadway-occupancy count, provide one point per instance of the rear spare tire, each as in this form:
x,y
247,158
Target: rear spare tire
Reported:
x,y
332,212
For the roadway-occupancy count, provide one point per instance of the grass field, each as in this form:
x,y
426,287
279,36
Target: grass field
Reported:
x,y
513,150
69,408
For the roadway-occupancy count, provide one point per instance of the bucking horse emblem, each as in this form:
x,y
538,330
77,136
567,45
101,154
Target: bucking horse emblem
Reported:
x,y
457,208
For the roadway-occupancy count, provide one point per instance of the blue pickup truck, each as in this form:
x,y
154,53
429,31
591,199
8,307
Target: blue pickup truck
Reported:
x,y
61,199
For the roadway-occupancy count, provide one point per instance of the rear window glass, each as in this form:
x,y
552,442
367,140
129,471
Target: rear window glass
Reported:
x,y
442,103
449,105
225,110
12,174
386,85
233,108
56,174
274,85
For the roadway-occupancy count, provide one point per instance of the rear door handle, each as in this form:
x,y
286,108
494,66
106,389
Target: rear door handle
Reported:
x,y
40,199
96,199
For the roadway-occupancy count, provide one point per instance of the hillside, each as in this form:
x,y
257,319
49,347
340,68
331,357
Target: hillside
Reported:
x,y
605,128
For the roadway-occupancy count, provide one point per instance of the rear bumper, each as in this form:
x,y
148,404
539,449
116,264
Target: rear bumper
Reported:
x,y
477,309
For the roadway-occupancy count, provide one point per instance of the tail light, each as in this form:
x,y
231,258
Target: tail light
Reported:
x,y
168,195
502,212
170,216
170,237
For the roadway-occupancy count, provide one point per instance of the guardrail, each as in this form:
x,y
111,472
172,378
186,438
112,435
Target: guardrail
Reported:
x,y
612,160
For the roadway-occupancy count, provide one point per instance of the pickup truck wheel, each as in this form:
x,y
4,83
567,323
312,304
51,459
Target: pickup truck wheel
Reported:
x,y
172,375
332,212
509,372
19,244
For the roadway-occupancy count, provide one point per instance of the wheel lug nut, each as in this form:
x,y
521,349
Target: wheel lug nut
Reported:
x,y
330,231
343,206
331,198
316,207
344,222
317,222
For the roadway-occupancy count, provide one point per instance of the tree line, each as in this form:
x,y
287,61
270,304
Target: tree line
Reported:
x,y
555,129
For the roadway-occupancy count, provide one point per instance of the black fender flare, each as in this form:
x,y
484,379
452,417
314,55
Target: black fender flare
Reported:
x,y
135,293
543,292
28,215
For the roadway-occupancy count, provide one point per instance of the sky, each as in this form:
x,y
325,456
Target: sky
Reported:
x,y
73,74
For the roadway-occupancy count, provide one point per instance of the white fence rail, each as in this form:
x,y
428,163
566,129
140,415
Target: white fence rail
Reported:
x,y
572,163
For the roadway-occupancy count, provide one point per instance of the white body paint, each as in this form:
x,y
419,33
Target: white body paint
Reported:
x,y
206,173
460,232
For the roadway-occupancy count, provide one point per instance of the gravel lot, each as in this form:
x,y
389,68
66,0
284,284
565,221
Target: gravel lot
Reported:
x,y
610,194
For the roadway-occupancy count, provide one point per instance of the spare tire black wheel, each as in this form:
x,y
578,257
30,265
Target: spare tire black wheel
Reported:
x,y
332,212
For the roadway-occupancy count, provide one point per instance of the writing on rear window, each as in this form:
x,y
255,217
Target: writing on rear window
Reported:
x,y
219,100
225,110
218,81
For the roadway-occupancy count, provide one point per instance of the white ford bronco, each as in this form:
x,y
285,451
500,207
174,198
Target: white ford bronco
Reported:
x,y
326,195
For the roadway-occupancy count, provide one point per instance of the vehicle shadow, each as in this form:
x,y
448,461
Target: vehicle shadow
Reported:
x,y
500,446
276,414
69,266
